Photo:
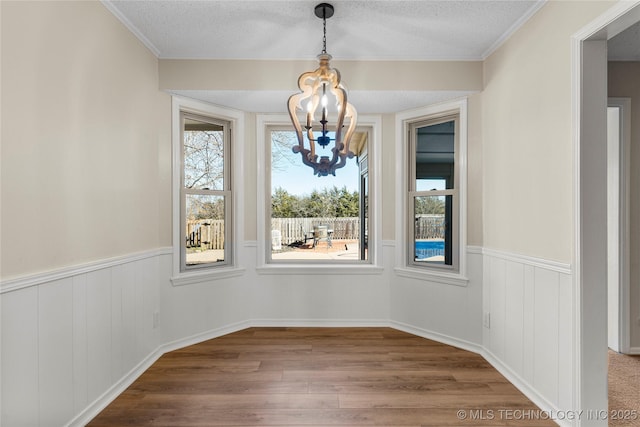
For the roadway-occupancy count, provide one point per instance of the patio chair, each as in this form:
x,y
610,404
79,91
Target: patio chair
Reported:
x,y
322,232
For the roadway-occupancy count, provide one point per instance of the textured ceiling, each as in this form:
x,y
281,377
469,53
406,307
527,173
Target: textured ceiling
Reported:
x,y
371,30
359,30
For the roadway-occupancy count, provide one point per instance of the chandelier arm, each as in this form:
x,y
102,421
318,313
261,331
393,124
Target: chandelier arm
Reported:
x,y
341,96
292,106
353,119
312,145
307,158
340,164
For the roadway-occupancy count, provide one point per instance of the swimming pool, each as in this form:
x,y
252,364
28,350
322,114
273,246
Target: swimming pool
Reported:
x,y
429,248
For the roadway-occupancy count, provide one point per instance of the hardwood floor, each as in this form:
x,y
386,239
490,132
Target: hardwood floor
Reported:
x,y
321,377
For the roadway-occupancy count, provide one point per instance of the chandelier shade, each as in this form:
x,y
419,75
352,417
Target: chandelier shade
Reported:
x,y
321,113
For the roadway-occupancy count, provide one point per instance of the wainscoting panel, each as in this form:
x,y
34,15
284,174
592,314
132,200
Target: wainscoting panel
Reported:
x,y
445,312
545,333
497,303
80,347
529,337
513,315
55,350
20,358
566,342
321,295
68,341
98,332
528,323
126,275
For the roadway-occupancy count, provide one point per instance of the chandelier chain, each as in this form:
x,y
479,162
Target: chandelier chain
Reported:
x,y
324,36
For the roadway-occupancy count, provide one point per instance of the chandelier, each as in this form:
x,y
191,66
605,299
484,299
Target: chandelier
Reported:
x,y
321,113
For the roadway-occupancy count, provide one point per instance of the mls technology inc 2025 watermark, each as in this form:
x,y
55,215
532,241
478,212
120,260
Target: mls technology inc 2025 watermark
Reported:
x,y
538,414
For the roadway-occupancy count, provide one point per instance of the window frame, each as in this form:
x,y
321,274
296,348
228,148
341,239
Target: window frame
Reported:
x,y
233,183
265,265
405,172
452,192
225,192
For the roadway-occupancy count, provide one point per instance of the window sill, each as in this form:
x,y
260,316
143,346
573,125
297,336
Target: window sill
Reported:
x,y
433,276
320,269
192,277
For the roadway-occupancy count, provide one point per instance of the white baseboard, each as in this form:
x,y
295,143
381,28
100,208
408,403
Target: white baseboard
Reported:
x,y
634,350
435,336
204,336
524,387
320,323
95,407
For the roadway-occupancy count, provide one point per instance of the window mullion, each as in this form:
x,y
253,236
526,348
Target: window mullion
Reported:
x,y
204,192
449,192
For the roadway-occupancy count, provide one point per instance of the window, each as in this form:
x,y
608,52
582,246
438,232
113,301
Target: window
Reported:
x,y
433,201
205,191
316,219
206,181
366,172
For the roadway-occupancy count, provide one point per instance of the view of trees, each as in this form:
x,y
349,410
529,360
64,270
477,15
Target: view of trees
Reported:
x,y
322,202
204,207
430,205
203,169
282,157
328,203
204,157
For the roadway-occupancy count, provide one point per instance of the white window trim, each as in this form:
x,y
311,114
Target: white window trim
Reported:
x,y
403,266
374,266
236,118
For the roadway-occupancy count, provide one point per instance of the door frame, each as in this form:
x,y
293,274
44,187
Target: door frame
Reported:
x,y
589,101
618,164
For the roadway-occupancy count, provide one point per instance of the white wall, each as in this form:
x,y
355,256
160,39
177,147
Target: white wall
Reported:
x,y
526,135
85,136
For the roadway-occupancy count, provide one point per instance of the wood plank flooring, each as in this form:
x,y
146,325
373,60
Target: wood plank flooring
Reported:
x,y
321,377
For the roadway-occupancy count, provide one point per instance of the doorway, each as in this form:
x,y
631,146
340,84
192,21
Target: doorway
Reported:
x,y
590,259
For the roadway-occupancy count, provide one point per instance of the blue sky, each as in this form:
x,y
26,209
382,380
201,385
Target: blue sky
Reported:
x,y
297,178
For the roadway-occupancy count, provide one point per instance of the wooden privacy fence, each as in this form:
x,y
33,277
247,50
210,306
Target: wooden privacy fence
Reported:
x,y
297,229
429,226
205,234
209,233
